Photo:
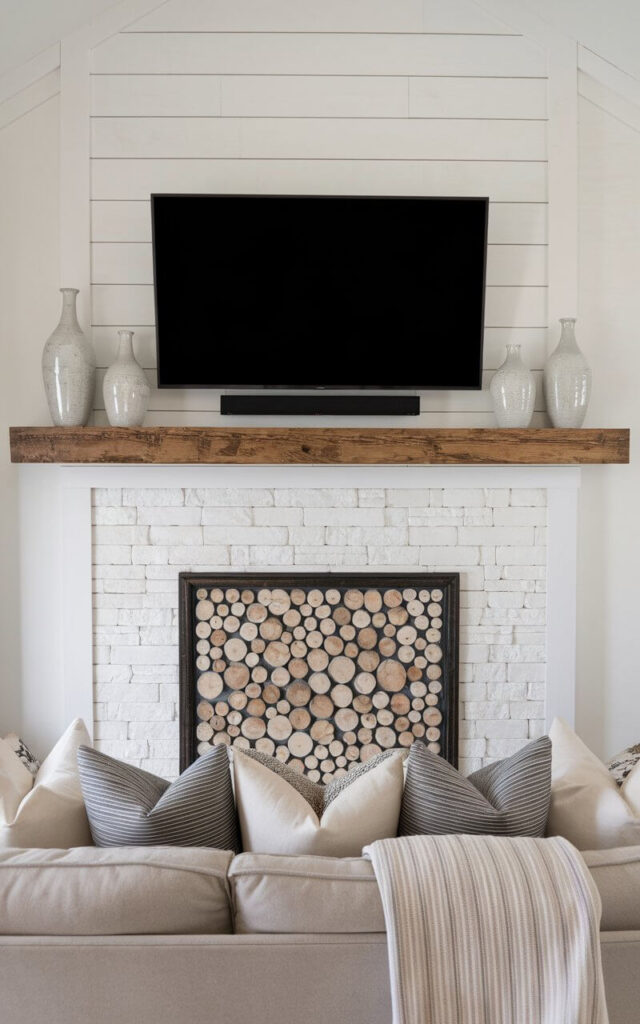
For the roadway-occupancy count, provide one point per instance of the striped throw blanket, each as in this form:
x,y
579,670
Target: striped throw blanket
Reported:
x,y
490,930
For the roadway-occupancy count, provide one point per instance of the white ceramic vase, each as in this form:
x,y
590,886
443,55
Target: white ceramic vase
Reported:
x,y
69,368
567,380
513,391
125,388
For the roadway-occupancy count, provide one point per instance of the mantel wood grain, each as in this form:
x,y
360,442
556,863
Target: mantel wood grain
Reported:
x,y
318,446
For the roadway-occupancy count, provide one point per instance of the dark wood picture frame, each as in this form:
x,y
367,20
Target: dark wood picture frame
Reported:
x,y
191,582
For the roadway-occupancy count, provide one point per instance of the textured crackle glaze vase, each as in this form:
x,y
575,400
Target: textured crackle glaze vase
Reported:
x,y
567,380
513,391
125,388
69,368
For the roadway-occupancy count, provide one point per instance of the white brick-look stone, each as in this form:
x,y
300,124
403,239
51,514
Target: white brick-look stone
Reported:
x,y
143,537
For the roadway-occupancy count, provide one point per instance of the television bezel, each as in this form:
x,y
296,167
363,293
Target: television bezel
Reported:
x,y
320,387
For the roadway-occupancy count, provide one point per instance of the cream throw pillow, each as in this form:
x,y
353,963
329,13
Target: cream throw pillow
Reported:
x,y
47,810
276,818
587,806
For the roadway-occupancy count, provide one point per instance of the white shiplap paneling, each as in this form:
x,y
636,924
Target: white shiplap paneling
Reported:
x,y
510,181
317,138
209,416
518,98
176,399
129,220
317,96
411,98
532,339
132,263
328,53
251,96
311,16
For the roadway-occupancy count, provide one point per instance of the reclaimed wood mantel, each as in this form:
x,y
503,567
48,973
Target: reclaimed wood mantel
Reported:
x,y
318,446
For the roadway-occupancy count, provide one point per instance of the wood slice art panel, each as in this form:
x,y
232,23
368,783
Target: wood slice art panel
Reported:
x,y
318,669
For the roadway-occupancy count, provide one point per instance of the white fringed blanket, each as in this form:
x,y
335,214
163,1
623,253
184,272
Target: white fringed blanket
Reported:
x,y
490,930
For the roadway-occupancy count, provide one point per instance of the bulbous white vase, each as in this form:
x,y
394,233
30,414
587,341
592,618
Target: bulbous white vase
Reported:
x,y
513,391
567,380
126,388
69,368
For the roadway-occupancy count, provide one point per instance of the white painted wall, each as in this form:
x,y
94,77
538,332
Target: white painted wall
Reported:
x,y
29,26
610,29
608,642
28,310
609,330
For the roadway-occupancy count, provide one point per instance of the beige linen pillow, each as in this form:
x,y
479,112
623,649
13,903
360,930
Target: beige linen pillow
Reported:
x,y
46,810
275,817
587,806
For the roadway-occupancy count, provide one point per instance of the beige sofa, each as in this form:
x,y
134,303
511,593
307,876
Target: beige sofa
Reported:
x,y
165,935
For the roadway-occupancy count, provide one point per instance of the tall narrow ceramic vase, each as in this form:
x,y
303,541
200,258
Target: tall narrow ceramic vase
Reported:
x,y
126,388
567,380
513,391
69,368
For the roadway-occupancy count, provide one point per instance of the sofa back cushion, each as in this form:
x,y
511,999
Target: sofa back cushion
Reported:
x,y
130,891
616,873
304,895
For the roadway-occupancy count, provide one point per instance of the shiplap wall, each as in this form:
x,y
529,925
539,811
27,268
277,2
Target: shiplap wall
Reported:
x,y
366,97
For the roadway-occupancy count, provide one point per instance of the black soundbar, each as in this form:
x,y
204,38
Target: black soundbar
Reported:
x,y
319,405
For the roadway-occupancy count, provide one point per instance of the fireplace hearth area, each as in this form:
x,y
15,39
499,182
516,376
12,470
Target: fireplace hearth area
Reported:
x,y
128,532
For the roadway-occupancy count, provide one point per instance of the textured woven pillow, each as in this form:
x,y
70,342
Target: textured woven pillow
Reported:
x,y
508,798
22,752
623,763
130,807
281,811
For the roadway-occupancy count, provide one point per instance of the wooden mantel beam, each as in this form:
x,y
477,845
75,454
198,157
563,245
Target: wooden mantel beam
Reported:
x,y
318,446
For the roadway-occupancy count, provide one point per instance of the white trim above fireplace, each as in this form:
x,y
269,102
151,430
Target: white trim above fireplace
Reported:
x,y
56,561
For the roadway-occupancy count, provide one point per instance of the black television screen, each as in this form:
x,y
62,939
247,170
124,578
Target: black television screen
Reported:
x,y
252,287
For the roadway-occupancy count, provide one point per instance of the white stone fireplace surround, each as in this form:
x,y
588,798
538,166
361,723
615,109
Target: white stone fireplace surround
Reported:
x,y
125,532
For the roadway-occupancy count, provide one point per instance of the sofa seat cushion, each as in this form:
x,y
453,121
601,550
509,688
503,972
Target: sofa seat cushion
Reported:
x,y
126,891
273,893
616,873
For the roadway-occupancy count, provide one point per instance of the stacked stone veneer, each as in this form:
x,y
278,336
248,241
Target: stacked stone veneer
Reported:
x,y
142,539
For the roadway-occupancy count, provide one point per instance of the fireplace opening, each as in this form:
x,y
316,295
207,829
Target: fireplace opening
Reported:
x,y
322,671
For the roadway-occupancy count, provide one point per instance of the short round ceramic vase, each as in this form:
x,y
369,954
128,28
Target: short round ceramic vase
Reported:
x,y
513,391
69,368
567,380
125,388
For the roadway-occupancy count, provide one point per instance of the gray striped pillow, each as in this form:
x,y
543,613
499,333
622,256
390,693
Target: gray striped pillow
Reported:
x,y
508,798
129,807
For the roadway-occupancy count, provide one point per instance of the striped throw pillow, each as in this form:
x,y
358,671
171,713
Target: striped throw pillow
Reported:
x,y
507,798
130,807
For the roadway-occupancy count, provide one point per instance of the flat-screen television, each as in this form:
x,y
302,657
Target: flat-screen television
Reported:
x,y
252,287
